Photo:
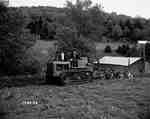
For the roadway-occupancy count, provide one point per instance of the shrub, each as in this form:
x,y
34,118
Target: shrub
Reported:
x,y
22,65
107,49
31,67
133,51
68,41
123,49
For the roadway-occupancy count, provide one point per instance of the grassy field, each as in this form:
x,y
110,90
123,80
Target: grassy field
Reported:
x,y
101,99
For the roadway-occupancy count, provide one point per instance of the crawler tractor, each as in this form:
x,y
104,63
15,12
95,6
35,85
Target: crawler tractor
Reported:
x,y
72,71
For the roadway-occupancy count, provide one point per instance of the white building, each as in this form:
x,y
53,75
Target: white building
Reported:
x,y
134,64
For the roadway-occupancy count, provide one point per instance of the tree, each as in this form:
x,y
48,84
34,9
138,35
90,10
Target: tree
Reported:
x,y
123,49
139,22
14,38
109,27
88,20
35,25
146,32
107,49
136,35
96,23
68,41
147,52
132,52
117,32
126,31
44,27
78,15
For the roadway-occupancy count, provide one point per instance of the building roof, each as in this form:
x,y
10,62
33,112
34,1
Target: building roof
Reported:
x,y
61,62
143,41
123,61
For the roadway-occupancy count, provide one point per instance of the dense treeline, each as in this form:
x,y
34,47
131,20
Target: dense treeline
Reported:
x,y
89,21
15,39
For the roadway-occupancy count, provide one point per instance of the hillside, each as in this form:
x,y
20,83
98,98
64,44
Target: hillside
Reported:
x,y
93,23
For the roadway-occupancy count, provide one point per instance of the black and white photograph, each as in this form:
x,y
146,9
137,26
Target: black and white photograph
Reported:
x,y
74,59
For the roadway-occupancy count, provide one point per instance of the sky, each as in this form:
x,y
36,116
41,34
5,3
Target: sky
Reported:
x,y
128,7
